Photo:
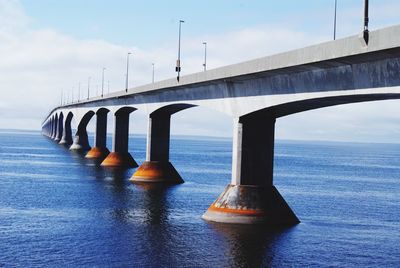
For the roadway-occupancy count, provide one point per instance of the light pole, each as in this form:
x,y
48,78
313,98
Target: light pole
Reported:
x,y
334,22
108,88
178,62
205,56
127,71
102,83
152,77
366,21
88,87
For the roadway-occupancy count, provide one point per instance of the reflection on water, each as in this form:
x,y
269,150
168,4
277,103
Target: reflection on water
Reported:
x,y
155,203
249,246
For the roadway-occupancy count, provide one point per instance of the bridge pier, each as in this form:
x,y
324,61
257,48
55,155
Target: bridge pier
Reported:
x,y
51,128
100,151
46,129
59,128
251,196
81,141
55,127
120,157
66,138
157,167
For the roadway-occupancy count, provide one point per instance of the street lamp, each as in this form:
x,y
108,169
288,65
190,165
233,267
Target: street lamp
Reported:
x,y
152,77
334,22
127,71
102,83
178,62
205,56
88,87
366,20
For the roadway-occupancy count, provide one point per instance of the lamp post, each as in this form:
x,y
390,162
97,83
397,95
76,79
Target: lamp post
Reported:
x,y
152,77
88,87
102,82
127,71
334,22
366,21
205,56
178,62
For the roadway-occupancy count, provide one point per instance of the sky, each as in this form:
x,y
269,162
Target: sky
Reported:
x,y
48,48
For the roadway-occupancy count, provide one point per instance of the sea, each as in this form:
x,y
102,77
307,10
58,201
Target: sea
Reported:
x,y
58,209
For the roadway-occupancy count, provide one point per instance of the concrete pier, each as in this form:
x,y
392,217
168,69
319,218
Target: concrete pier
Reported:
x,y
157,167
81,141
120,157
251,197
66,138
55,127
52,128
59,128
100,151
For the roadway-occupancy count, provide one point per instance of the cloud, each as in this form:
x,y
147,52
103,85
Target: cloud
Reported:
x,y
36,64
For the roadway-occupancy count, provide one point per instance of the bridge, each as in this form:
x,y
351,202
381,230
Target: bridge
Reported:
x,y
255,94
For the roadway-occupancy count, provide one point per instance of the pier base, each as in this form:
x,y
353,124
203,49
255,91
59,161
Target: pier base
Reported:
x,y
79,146
123,160
97,153
65,142
248,204
156,172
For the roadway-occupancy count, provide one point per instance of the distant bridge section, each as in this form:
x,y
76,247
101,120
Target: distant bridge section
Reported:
x,y
254,93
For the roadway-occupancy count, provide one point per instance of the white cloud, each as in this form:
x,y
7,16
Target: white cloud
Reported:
x,y
36,64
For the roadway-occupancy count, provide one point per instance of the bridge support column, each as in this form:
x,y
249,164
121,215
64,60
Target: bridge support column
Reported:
x,y
59,128
251,196
66,138
51,128
55,124
100,151
81,141
120,157
157,167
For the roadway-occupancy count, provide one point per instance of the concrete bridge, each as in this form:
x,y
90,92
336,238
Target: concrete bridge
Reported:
x,y
255,94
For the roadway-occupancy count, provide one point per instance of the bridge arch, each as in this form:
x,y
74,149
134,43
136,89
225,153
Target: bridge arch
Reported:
x,y
171,109
293,107
125,110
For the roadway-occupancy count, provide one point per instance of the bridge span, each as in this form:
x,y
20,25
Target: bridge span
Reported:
x,y
255,94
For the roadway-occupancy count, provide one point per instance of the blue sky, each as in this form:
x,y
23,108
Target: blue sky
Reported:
x,y
146,23
50,46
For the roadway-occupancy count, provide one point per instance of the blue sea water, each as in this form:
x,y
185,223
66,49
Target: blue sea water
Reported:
x,y
58,209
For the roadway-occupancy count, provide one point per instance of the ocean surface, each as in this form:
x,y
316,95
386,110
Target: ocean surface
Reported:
x,y
59,210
